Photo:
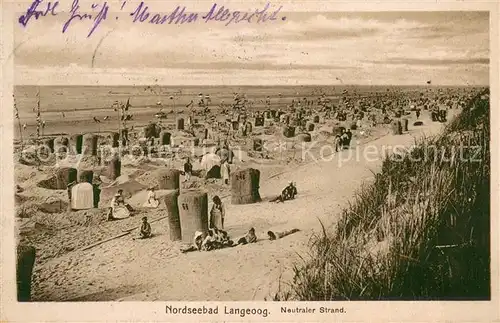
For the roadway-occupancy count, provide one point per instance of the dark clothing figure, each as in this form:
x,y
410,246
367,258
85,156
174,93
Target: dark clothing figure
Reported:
x,y
188,170
287,194
69,187
278,235
417,113
144,229
97,195
271,235
346,139
217,214
188,167
349,135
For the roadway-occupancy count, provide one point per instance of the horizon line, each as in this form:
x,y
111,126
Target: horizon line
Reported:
x,y
254,85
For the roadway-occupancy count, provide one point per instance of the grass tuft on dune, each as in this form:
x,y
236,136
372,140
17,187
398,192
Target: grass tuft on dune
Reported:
x,y
421,230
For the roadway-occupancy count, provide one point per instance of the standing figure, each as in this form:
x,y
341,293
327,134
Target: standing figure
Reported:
x,y
348,138
344,139
217,214
188,169
338,143
225,171
69,188
96,189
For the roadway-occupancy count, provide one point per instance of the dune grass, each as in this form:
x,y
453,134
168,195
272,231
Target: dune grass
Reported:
x,y
421,230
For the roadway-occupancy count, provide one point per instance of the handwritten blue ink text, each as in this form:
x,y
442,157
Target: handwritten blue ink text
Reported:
x,y
178,16
223,14
32,11
98,12
97,19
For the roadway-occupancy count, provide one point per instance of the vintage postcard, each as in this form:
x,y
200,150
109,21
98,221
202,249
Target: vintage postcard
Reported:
x,y
249,161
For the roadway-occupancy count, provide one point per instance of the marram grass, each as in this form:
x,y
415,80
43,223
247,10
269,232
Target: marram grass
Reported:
x,y
419,231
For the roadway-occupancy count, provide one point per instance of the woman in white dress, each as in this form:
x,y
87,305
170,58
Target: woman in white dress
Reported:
x,y
118,208
225,171
151,199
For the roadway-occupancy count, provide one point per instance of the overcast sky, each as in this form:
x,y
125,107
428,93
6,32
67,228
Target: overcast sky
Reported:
x,y
396,48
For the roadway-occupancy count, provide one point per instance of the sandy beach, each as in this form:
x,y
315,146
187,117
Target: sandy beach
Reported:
x,y
159,271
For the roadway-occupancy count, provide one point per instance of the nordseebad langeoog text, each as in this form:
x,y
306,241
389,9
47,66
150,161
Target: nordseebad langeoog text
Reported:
x,y
97,13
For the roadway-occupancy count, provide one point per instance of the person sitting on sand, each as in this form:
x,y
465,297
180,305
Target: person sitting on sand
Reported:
x,y
197,242
145,229
120,200
291,191
217,214
151,201
117,201
210,241
213,239
287,194
278,235
250,237
222,238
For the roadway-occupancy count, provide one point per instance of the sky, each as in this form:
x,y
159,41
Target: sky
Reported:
x,y
385,48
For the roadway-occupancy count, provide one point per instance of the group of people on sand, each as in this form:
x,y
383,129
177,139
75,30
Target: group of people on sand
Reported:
x,y
218,239
215,238
225,170
343,139
120,209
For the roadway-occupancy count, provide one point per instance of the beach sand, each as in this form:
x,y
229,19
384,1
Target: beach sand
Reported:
x,y
154,269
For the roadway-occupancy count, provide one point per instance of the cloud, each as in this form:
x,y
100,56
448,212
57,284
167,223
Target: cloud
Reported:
x,y
317,47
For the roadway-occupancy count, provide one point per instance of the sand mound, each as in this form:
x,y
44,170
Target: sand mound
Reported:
x,y
139,198
53,205
49,183
129,189
147,179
